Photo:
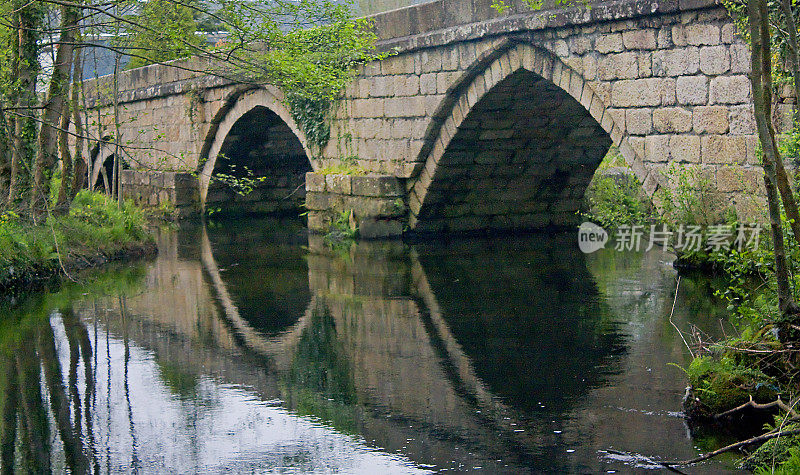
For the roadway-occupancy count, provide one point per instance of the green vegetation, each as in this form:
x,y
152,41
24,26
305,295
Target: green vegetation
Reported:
x,y
342,169
95,227
341,232
165,31
615,196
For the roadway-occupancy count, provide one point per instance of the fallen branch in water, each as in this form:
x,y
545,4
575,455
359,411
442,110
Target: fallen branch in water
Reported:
x,y
754,440
762,407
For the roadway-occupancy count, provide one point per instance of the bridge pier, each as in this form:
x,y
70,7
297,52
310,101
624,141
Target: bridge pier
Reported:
x,y
373,204
170,191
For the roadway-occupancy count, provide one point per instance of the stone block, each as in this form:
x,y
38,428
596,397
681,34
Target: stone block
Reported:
x,y
168,179
656,148
618,66
702,34
430,62
676,62
639,39
404,106
645,61
728,32
685,148
318,221
692,90
427,84
714,60
371,207
579,45
730,179
382,186
672,119
367,108
338,184
729,90
740,58
710,119
677,35
723,149
609,43
636,92
315,182
400,64
317,201
742,120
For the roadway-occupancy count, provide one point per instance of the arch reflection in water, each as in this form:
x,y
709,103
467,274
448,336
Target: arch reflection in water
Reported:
x,y
243,348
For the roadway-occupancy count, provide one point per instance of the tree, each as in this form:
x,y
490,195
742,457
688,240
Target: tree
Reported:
x,y
761,80
309,48
164,30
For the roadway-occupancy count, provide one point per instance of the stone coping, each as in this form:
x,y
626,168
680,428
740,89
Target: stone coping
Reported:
x,y
420,26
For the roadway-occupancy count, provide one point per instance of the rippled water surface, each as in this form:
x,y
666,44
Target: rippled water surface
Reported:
x,y
246,347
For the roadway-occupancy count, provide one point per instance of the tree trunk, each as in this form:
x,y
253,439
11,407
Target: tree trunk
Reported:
x,y
761,80
62,203
789,203
81,168
56,99
25,67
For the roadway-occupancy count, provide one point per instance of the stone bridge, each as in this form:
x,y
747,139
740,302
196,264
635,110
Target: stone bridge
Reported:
x,y
480,121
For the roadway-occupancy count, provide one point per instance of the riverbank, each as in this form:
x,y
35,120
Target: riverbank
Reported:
x,y
94,231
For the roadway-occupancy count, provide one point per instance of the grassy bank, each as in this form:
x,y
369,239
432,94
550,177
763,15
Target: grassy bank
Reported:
x,y
94,231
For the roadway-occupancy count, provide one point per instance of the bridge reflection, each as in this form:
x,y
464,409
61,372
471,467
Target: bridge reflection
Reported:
x,y
416,364
456,355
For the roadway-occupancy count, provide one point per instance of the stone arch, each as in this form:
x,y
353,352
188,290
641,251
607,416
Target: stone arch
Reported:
x,y
253,118
492,159
101,156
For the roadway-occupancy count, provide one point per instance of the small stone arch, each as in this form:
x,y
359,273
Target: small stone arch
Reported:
x,y
494,74
257,104
99,155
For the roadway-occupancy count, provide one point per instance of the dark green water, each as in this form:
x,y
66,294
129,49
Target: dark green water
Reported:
x,y
247,347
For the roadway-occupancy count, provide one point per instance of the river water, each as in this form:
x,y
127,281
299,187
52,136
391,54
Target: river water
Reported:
x,y
248,347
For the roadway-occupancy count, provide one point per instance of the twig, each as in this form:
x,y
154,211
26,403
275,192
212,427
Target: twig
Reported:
x,y
728,448
777,403
674,300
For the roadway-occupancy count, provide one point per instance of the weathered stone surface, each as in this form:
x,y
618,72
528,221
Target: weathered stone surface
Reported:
x,y
710,119
676,62
714,60
685,148
742,121
702,34
692,90
723,149
672,119
610,43
729,90
638,92
639,39
315,182
639,121
338,184
386,186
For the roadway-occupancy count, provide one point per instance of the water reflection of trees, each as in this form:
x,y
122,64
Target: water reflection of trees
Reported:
x,y
37,401
28,351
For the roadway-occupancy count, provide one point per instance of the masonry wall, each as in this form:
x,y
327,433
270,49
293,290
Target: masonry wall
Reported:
x,y
669,78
